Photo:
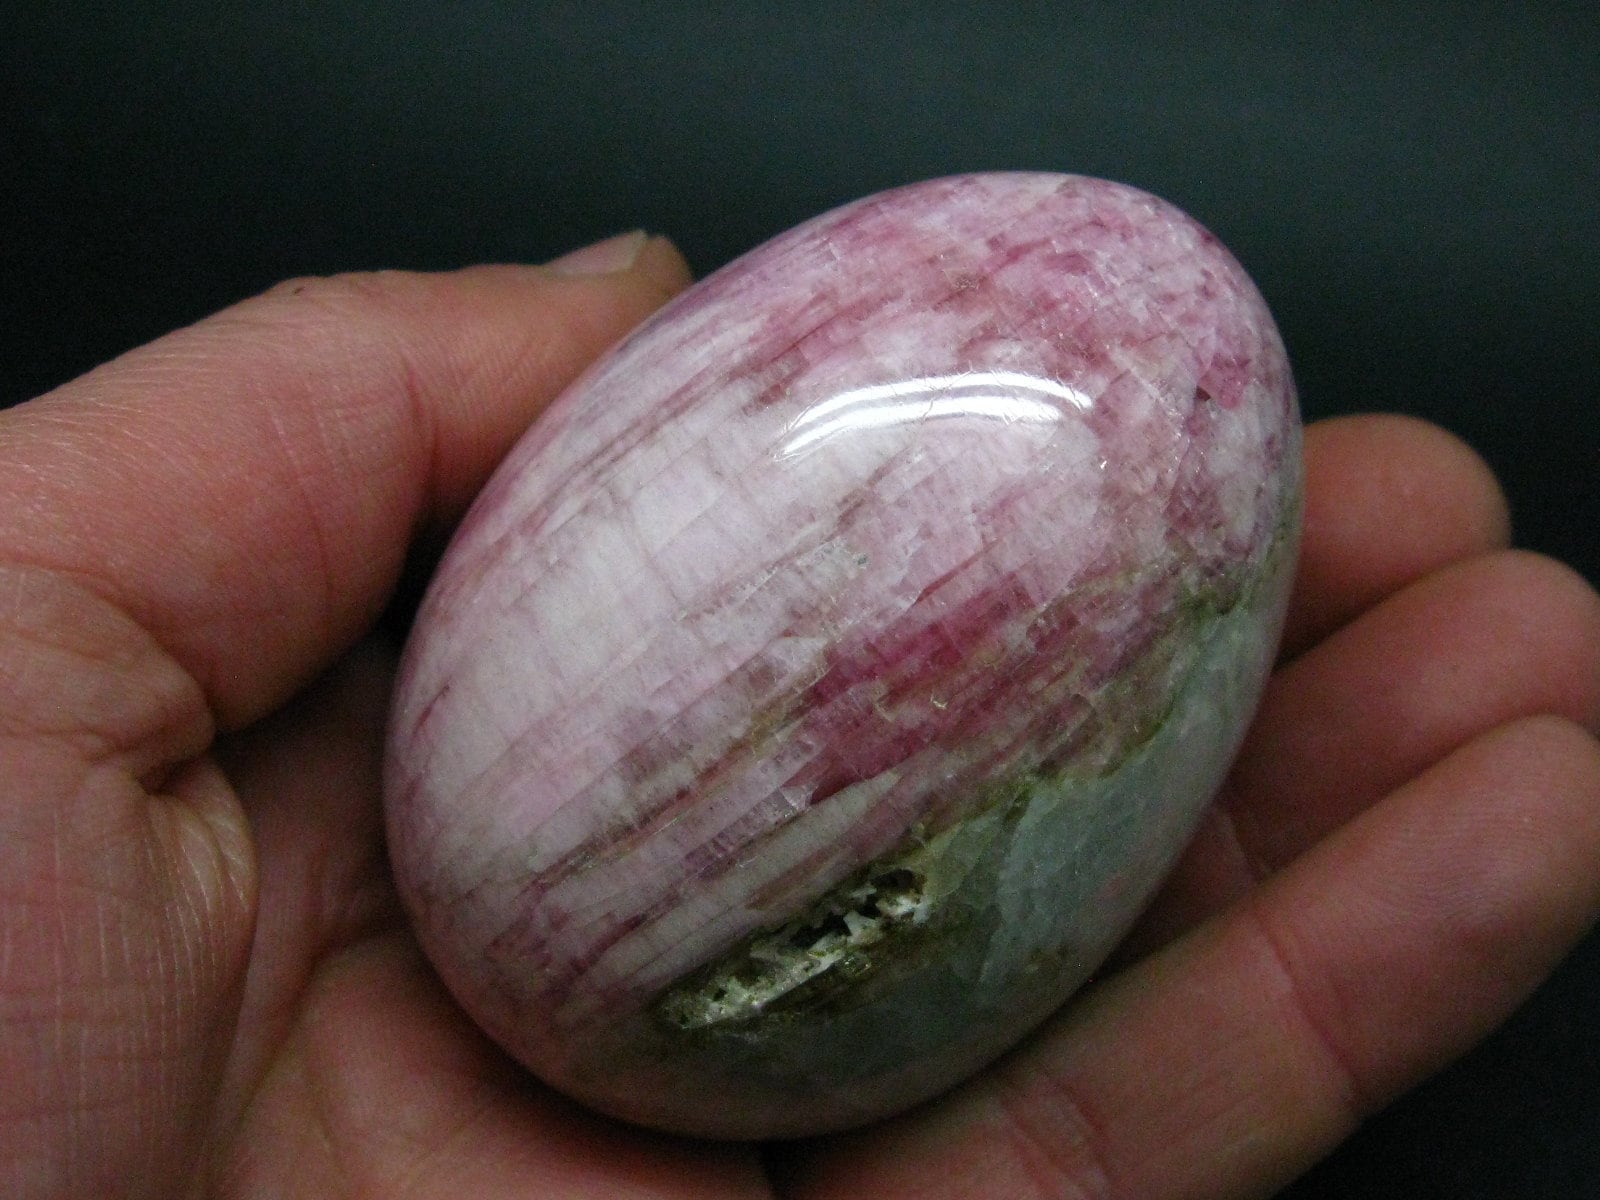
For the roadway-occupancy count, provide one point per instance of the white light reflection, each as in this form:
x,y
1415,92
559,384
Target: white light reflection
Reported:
x,y
1007,396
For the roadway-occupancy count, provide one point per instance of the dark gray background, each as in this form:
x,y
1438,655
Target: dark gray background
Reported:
x,y
1414,187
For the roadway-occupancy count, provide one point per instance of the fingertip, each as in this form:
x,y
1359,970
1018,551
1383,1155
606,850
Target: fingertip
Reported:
x,y
1556,613
663,265
1406,458
653,259
1389,499
1547,803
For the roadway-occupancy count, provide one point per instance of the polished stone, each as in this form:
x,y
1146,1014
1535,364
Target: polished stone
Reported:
x,y
820,688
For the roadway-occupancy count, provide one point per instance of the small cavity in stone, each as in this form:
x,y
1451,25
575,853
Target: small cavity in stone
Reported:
x,y
827,937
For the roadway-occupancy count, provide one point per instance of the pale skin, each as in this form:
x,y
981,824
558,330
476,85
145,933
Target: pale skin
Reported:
x,y
207,987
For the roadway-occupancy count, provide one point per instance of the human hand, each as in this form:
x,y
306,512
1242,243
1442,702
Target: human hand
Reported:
x,y
207,987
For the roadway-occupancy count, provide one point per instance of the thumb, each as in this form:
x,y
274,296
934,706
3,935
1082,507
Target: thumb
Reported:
x,y
246,489
187,534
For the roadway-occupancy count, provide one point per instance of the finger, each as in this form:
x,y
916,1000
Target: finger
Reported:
x,y
1233,1060
1388,499
245,489
1473,646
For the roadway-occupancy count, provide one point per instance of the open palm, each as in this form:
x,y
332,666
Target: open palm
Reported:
x,y
207,987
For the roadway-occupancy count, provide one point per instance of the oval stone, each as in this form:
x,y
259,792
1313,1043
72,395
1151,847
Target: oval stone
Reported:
x,y
820,689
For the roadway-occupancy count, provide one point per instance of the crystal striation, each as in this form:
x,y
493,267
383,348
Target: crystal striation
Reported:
x,y
819,690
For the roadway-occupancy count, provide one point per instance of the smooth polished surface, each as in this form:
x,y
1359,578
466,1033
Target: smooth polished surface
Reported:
x,y
818,691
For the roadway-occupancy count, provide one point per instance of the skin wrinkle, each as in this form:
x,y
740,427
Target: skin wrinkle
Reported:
x,y
410,1178
340,1151
64,631
1226,820
106,647
315,1073
187,910
335,895
1352,1097
323,1125
316,535
59,975
1067,1137
422,425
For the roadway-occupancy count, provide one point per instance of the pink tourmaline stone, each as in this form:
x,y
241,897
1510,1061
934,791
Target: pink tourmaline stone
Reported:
x,y
819,690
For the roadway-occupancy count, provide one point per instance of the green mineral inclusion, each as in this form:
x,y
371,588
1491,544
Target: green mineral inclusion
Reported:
x,y
935,895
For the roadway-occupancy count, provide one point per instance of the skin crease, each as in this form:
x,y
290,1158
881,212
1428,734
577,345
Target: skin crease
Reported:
x,y
206,984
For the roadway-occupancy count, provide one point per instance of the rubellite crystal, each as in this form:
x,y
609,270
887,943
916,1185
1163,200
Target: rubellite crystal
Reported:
x,y
819,690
